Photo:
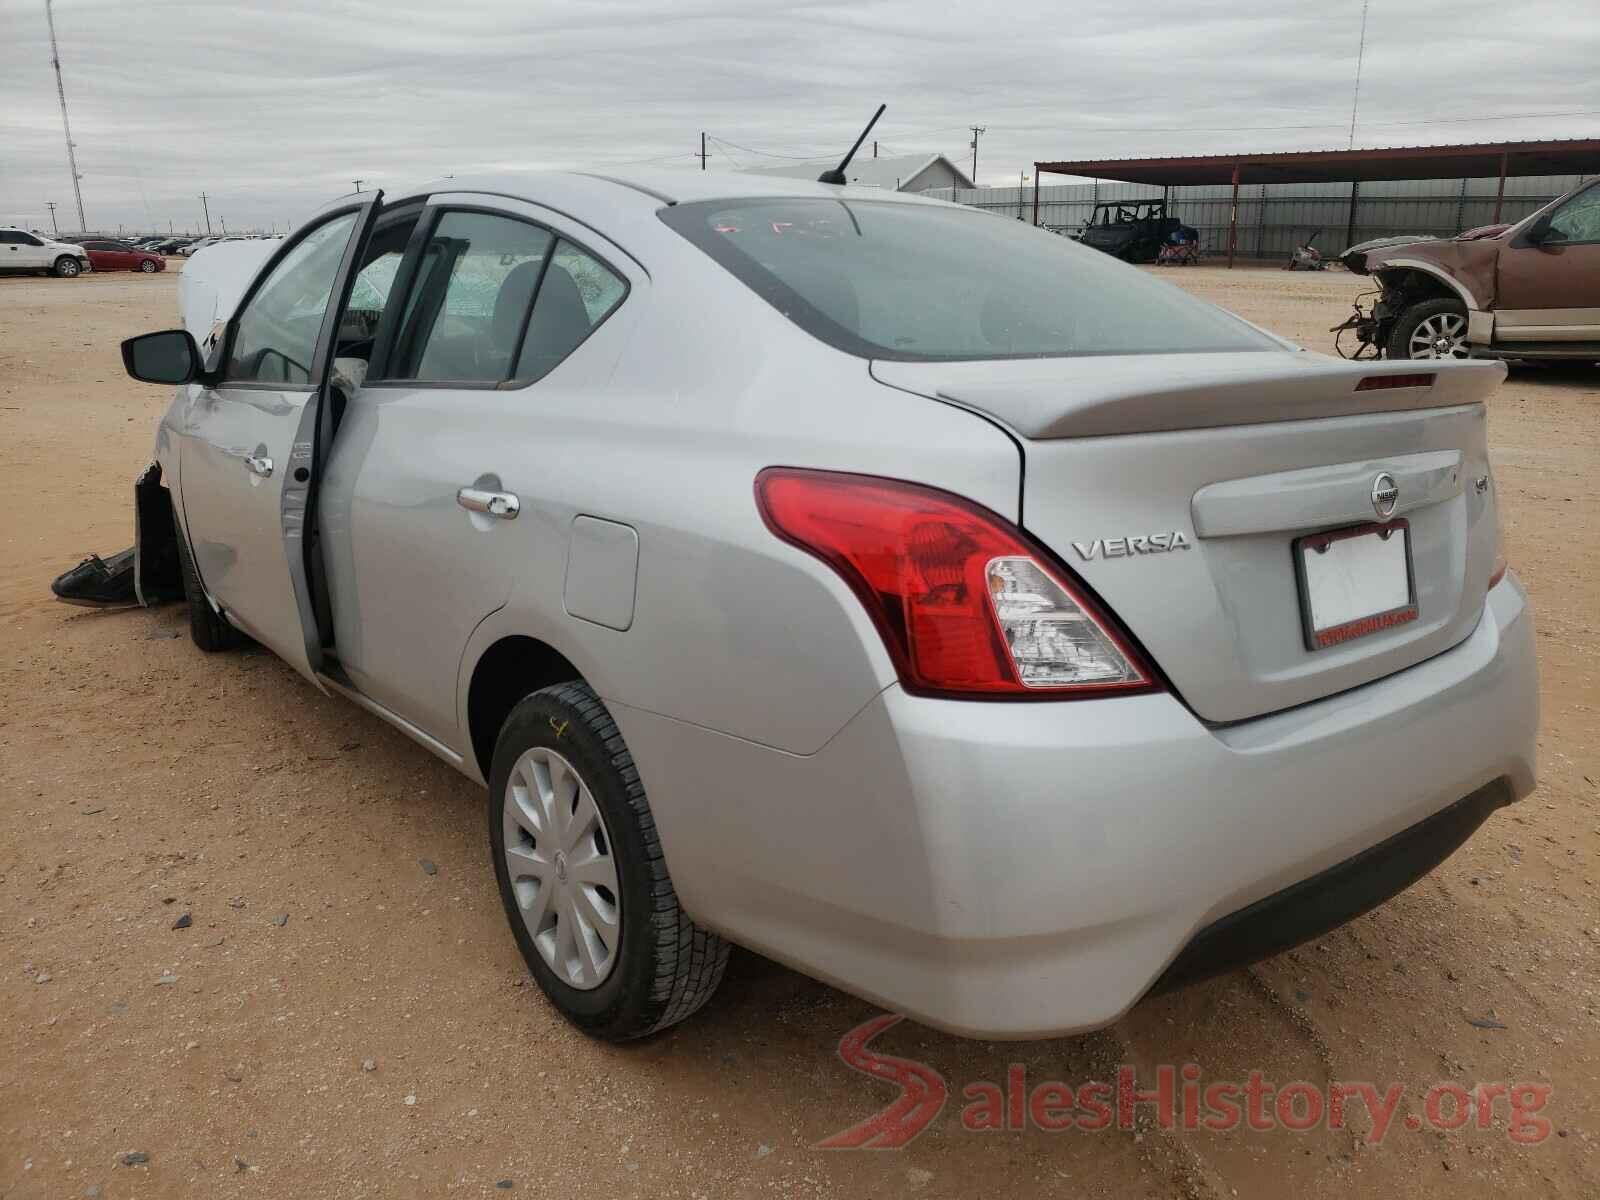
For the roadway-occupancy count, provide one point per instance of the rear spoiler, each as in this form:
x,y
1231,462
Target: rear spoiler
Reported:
x,y
1152,393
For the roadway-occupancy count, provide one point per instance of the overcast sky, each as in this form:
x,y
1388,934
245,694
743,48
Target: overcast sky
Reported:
x,y
274,108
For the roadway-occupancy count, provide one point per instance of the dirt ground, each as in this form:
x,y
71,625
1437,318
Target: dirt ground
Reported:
x,y
384,1040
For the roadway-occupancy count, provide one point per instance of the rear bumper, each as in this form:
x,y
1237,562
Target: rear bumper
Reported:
x,y
1330,898
1029,870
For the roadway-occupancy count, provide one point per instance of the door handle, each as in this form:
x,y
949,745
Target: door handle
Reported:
x,y
260,464
496,504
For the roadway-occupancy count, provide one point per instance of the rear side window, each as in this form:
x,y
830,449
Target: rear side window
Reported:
x,y
496,299
922,283
578,293
466,315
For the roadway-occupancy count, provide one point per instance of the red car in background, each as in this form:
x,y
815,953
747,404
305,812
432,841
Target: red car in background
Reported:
x,y
107,255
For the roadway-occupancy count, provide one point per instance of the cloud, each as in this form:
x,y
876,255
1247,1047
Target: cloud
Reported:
x,y
274,109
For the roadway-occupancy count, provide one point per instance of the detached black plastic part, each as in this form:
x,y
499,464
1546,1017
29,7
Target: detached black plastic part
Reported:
x,y
99,582
146,572
1340,894
156,576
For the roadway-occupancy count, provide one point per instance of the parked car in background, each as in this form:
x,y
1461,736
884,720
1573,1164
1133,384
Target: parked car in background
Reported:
x,y
202,243
1529,290
928,602
22,250
1132,230
109,255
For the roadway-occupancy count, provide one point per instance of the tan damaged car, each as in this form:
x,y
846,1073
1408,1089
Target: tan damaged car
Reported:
x,y
1529,290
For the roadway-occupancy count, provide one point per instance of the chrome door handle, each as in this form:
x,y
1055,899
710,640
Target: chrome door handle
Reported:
x,y
260,464
496,504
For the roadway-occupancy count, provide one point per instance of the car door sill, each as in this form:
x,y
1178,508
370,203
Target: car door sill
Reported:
x,y
341,684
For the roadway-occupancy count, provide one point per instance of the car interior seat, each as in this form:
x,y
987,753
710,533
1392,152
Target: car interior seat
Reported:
x,y
560,321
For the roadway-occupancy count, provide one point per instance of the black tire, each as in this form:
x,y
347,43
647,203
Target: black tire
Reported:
x,y
1405,325
206,626
667,967
66,267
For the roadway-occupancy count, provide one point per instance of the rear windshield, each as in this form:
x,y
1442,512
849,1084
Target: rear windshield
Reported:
x,y
922,283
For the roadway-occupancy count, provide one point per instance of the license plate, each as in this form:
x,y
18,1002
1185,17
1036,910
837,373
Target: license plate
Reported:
x,y
1355,582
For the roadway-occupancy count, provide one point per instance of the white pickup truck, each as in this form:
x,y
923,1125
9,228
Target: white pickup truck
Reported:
x,y
24,251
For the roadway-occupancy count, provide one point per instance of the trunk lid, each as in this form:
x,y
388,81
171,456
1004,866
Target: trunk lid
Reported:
x,y
1242,454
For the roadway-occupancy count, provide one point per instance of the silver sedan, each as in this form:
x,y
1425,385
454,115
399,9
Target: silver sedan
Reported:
x,y
925,601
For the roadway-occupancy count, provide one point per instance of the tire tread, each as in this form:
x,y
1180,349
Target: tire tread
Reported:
x,y
689,961
207,627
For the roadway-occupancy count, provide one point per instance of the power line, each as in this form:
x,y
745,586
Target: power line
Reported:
x,y
886,148
769,153
1328,125
727,153
623,162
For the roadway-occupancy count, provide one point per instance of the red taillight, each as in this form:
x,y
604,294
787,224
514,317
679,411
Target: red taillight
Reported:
x,y
965,603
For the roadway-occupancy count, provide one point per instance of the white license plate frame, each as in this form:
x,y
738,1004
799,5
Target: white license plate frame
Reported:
x,y
1329,587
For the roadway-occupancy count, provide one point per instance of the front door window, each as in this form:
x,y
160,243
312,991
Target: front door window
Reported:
x,y
1578,220
275,338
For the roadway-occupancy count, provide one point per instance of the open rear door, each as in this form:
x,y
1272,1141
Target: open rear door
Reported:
x,y
251,451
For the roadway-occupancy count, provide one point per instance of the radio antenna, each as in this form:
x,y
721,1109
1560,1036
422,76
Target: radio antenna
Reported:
x,y
837,174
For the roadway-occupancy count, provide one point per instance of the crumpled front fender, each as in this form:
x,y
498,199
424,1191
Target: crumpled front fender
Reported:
x,y
1464,268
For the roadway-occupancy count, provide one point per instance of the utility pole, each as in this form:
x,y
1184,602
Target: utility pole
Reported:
x,y
702,150
977,130
207,210
51,205
66,127
357,182
224,226
874,147
1361,52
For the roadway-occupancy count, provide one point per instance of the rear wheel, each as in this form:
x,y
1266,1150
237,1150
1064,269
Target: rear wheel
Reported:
x,y
582,875
206,626
67,266
1431,329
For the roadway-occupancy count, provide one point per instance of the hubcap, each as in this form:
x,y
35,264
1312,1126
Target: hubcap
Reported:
x,y
1443,335
558,855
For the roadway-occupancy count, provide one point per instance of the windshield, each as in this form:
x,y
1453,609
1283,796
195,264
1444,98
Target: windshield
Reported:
x,y
923,283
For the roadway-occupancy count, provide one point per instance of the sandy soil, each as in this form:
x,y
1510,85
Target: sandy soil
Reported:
x,y
141,781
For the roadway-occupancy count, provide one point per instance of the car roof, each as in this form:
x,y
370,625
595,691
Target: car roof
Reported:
x,y
662,185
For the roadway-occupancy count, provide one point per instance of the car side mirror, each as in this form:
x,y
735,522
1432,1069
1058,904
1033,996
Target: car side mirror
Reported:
x,y
170,356
1539,231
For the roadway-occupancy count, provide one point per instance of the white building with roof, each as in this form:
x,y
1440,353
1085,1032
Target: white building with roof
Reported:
x,y
901,173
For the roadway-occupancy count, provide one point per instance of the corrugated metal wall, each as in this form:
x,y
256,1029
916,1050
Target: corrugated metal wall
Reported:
x,y
1274,217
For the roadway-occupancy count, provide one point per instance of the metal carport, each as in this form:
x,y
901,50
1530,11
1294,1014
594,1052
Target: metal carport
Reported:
x,y
1486,160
